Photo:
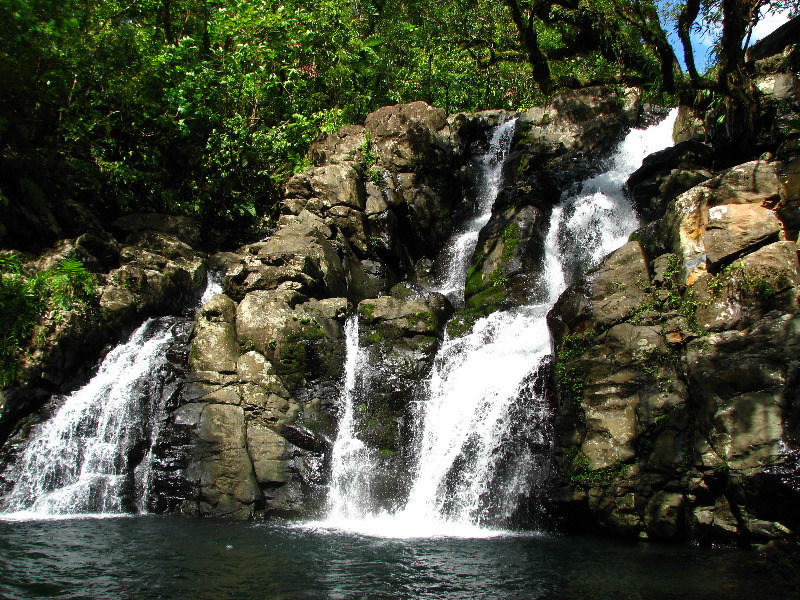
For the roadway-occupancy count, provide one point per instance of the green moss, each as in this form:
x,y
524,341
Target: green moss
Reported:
x,y
389,331
673,296
427,319
747,286
510,236
462,322
368,156
376,177
569,377
302,354
485,295
376,425
367,310
577,464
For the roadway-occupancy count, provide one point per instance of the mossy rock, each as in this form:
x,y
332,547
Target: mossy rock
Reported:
x,y
307,353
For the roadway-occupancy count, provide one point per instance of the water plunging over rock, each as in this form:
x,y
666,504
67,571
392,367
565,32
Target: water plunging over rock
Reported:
x,y
457,254
94,454
481,449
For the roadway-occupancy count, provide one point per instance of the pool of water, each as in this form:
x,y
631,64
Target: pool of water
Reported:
x,y
167,558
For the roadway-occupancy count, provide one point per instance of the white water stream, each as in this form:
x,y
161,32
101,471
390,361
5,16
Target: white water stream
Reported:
x,y
458,251
483,429
93,456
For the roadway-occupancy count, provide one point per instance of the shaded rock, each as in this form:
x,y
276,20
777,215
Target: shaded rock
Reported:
x,y
183,228
775,42
267,450
664,515
586,119
689,126
789,209
667,173
740,377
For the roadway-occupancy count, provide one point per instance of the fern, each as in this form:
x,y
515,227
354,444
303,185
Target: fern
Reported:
x,y
25,299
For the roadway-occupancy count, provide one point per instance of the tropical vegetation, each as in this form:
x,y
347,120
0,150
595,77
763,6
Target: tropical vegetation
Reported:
x,y
206,107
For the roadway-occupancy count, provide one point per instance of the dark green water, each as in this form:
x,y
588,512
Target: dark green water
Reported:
x,y
154,557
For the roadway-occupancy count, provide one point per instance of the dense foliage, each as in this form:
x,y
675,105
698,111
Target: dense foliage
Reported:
x,y
26,297
205,107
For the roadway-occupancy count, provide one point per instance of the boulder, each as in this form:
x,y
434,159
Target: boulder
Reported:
x,y
666,174
740,378
608,294
734,229
346,144
214,345
683,230
408,137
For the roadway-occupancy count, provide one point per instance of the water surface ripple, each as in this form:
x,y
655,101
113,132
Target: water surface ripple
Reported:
x,y
168,558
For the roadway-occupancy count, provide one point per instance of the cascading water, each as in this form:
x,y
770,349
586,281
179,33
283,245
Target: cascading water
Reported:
x,y
79,460
484,428
458,251
94,454
351,460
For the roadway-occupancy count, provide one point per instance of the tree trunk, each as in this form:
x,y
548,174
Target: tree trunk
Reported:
x,y
530,42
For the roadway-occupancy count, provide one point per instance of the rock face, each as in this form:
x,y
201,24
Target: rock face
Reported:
x,y
266,359
676,401
257,415
676,366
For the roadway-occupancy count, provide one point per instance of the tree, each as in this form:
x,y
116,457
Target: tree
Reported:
x,y
631,36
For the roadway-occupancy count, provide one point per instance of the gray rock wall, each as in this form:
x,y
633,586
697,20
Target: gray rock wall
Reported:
x,y
677,368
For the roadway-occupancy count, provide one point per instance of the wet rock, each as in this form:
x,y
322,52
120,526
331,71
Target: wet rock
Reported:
x,y
214,347
677,385
267,450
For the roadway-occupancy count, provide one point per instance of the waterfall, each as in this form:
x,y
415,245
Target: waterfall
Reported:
x,y
80,459
483,431
457,253
352,461
93,455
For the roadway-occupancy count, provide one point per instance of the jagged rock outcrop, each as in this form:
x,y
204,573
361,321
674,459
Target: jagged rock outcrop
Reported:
x,y
399,335
266,358
375,209
677,369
